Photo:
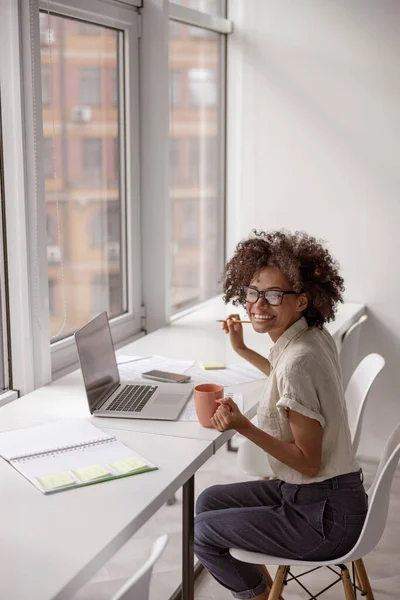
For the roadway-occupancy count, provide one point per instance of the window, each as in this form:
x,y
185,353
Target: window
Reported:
x,y
105,227
48,157
196,140
176,88
114,87
91,156
90,85
175,147
189,222
46,84
106,294
203,159
87,200
203,91
79,194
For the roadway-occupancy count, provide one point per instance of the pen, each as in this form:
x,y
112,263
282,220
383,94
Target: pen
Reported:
x,y
233,321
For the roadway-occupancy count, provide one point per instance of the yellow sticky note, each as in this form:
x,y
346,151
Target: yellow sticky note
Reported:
x,y
212,365
55,480
127,465
91,472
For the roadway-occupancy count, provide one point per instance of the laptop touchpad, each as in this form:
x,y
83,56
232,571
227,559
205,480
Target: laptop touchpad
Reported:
x,y
167,399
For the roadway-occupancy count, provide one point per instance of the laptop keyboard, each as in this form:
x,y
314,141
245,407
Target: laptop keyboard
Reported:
x,y
132,398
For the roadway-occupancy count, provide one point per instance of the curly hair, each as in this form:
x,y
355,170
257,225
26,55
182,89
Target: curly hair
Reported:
x,y
306,264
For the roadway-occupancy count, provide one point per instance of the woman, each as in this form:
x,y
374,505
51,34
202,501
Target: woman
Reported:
x,y
316,506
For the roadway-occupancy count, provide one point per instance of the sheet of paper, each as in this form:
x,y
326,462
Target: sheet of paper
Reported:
x,y
91,472
133,370
189,412
49,436
129,464
231,375
55,480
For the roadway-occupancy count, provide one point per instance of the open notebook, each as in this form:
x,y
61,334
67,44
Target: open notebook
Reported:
x,y
65,455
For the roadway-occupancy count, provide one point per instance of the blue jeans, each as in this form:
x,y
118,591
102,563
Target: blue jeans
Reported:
x,y
316,521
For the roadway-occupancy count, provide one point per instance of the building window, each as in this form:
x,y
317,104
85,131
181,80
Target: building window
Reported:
x,y
90,85
105,227
203,90
92,156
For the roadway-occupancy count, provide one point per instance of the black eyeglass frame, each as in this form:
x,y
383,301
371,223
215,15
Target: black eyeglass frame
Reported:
x,y
263,293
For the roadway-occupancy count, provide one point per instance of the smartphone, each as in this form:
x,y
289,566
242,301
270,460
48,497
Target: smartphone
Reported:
x,y
165,376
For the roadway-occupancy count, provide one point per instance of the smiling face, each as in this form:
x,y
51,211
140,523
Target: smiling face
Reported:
x,y
274,320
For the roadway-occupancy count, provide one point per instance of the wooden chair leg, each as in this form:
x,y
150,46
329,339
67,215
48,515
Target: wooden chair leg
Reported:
x,y
268,578
278,584
363,579
347,584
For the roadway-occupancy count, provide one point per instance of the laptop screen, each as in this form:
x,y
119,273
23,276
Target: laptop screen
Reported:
x,y
97,358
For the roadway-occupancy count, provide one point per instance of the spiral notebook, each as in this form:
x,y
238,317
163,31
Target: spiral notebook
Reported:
x,y
69,454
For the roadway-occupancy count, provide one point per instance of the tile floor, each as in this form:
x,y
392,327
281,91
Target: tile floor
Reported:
x,y
383,564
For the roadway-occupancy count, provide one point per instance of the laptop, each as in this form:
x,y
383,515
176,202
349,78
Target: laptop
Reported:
x,y
107,396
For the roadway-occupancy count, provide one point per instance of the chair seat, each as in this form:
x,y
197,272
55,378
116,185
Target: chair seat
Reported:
x,y
256,558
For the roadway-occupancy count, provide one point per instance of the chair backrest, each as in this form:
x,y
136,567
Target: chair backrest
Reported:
x,y
349,349
379,495
137,587
357,393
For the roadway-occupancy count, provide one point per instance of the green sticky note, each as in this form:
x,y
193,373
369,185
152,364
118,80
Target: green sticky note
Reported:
x,y
91,472
128,465
212,365
55,480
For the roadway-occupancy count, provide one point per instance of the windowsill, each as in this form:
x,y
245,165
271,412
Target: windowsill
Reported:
x,y
8,396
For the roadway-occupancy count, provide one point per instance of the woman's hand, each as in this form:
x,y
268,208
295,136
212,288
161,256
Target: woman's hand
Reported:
x,y
235,331
228,416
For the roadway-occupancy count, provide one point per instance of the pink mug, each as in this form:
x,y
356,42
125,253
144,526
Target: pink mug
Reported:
x,y
206,396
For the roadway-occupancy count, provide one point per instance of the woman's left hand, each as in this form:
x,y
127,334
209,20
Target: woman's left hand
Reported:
x,y
228,416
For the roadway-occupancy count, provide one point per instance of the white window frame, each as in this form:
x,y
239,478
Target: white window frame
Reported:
x,y
154,116
52,361
34,361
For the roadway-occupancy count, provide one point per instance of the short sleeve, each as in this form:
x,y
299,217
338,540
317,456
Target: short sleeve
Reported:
x,y
298,393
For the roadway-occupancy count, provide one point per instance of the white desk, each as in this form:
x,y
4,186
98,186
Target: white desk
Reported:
x,y
51,545
196,336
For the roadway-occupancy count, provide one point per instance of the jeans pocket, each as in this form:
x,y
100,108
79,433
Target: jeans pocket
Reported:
x,y
353,525
314,515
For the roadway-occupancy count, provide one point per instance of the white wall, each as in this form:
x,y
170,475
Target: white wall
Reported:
x,y
314,144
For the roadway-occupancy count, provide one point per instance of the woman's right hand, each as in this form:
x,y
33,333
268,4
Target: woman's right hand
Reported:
x,y
235,331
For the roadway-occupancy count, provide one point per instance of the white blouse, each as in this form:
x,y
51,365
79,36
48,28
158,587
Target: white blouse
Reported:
x,y
305,377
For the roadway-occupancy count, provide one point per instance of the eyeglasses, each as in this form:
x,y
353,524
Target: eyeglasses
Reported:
x,y
272,297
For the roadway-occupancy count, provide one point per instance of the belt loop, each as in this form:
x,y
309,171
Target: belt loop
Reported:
x,y
361,475
335,483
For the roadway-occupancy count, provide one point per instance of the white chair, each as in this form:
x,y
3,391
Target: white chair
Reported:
x,y
371,533
253,461
137,587
357,393
348,353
